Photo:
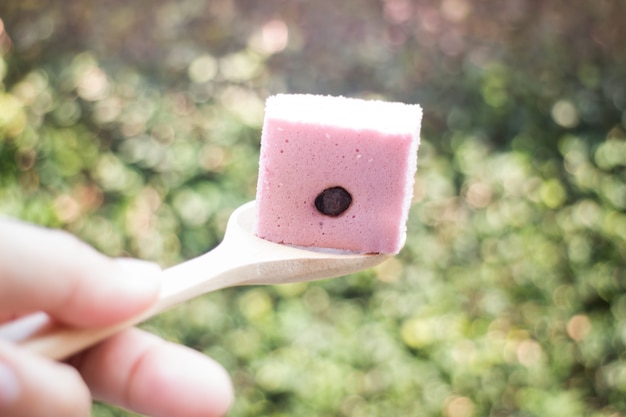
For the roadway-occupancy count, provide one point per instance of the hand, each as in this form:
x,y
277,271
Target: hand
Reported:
x,y
51,271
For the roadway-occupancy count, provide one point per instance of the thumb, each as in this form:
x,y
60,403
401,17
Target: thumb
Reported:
x,y
33,386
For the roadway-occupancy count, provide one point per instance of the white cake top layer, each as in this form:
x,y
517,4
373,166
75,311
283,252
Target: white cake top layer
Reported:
x,y
381,116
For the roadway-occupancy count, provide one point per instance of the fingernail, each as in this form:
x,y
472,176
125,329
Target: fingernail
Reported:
x,y
138,275
9,386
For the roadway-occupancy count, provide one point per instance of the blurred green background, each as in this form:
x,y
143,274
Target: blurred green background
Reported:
x,y
136,125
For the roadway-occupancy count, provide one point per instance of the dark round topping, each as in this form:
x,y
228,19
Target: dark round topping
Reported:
x,y
333,201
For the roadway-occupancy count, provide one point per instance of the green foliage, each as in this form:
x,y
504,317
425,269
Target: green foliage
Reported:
x,y
136,126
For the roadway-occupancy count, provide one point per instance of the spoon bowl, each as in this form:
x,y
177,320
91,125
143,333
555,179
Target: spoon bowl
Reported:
x,y
241,259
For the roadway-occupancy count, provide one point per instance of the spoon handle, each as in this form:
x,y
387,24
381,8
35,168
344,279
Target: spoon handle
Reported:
x,y
241,259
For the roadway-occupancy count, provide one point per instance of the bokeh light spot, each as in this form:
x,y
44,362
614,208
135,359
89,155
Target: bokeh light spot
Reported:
x,y
398,11
553,193
256,304
457,406
455,10
12,117
275,36
203,69
578,327
565,114
93,84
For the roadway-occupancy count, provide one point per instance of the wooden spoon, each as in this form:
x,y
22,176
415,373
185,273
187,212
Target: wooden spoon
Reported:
x,y
241,259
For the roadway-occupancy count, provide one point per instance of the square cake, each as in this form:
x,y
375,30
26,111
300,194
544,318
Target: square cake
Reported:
x,y
337,172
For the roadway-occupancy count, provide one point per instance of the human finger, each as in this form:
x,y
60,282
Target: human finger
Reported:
x,y
33,386
53,271
141,372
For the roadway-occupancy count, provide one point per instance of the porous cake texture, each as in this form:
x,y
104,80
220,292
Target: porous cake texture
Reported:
x,y
337,172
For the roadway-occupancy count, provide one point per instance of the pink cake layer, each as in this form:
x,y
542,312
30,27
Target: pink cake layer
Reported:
x,y
312,143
